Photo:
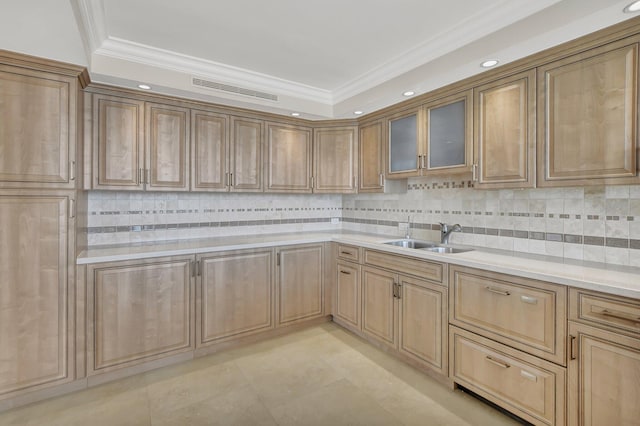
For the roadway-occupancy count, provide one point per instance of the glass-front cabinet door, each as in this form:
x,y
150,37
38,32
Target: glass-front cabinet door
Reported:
x,y
449,134
404,145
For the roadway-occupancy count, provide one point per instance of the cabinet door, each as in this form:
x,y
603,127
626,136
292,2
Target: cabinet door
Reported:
x,y
118,143
335,165
348,294
167,129
138,311
36,321
300,283
423,322
505,132
378,305
288,167
246,157
235,295
371,167
604,378
404,148
449,133
588,117
209,151
37,129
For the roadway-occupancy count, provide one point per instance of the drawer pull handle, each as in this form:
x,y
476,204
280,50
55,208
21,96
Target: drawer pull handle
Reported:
x,y
498,291
348,253
497,362
529,299
345,272
620,315
529,376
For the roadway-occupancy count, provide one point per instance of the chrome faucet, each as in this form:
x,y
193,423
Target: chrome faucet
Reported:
x,y
446,231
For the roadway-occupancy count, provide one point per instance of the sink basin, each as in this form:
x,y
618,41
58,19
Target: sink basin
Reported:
x,y
414,244
442,249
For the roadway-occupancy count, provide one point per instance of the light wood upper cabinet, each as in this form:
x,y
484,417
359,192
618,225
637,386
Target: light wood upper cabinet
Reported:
x,y
288,158
604,378
505,124
588,117
371,158
404,144
209,151
38,113
167,135
36,315
246,154
300,283
235,295
138,311
335,160
449,135
118,143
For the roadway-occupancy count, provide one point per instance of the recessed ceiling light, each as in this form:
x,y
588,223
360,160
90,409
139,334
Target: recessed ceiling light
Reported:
x,y
632,8
408,93
357,112
144,86
490,63
295,114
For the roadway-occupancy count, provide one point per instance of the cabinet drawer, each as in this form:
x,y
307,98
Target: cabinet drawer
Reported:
x,y
619,313
424,269
522,384
348,252
526,314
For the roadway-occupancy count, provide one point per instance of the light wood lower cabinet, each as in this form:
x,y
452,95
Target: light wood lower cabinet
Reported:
x,y
527,314
300,283
532,388
36,300
235,295
348,299
604,377
407,314
379,308
138,311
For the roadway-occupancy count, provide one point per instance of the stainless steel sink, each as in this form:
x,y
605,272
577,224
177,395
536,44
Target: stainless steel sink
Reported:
x,y
414,244
426,245
442,249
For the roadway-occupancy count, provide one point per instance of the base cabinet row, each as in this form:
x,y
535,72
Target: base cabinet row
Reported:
x,y
144,310
403,313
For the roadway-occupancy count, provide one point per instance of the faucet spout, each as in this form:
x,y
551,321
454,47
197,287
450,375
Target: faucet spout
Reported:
x,y
446,231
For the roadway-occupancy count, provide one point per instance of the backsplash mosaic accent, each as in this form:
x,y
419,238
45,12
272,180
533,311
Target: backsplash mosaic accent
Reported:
x,y
123,217
600,224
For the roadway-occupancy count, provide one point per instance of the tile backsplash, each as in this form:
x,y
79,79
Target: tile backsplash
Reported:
x,y
125,217
599,224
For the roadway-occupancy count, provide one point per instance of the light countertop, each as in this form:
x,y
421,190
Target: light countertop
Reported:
x,y
613,279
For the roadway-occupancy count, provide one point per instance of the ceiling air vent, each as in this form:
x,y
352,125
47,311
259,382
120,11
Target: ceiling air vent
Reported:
x,y
233,89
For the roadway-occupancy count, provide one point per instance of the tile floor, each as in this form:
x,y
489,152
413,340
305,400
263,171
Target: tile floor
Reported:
x,y
319,376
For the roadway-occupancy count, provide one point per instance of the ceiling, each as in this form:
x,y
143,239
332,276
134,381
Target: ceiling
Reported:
x,y
320,58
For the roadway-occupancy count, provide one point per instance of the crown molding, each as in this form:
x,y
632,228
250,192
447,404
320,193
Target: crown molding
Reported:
x,y
148,55
467,31
92,25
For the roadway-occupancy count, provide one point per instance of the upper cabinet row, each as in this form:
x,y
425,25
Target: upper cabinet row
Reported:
x,y
138,145
585,112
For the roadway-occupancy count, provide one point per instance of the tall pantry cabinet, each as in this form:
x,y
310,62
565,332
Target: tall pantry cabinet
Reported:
x,y
40,211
